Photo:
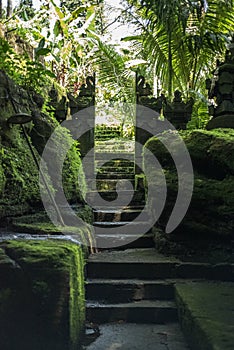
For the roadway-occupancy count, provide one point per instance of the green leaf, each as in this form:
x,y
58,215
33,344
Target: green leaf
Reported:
x,y
50,74
75,14
41,43
57,28
134,63
132,37
58,12
42,52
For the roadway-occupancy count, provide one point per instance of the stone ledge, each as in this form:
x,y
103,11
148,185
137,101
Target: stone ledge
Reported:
x,y
206,314
42,301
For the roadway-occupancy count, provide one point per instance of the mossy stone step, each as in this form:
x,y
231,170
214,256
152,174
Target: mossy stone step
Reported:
x,y
116,162
108,185
115,169
114,147
115,176
106,136
107,156
118,291
137,312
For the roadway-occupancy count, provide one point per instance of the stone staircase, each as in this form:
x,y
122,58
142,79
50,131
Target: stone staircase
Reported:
x,y
115,180
128,283
122,291
103,132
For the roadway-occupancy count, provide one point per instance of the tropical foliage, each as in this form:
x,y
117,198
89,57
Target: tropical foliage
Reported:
x,y
181,38
176,44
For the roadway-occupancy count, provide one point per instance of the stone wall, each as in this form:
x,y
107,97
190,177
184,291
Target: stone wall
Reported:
x,y
42,300
211,212
19,190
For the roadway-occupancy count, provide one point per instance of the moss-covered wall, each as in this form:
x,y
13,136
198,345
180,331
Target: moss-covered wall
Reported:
x,y
19,190
211,212
42,300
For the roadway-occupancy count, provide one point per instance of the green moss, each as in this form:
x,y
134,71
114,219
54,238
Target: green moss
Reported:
x,y
211,151
19,187
140,181
40,223
74,183
21,184
86,214
206,314
77,300
2,178
210,212
54,299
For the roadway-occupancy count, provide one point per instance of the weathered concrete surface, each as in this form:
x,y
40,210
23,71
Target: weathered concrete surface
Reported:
x,y
127,336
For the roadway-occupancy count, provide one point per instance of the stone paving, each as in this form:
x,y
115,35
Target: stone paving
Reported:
x,y
130,336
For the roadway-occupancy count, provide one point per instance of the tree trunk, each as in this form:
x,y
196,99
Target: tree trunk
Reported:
x,y
170,68
0,9
9,8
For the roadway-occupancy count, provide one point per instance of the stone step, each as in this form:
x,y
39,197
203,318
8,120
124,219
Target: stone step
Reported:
x,y
124,270
160,270
125,197
115,176
119,141
137,312
124,241
109,136
130,336
119,291
108,185
122,150
115,148
120,207
123,227
115,169
115,162
116,215
107,156
106,132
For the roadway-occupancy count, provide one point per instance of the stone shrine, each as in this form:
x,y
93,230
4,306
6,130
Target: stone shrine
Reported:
x,y
178,112
221,90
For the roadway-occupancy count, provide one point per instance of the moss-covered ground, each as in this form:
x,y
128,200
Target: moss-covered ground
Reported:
x,y
206,314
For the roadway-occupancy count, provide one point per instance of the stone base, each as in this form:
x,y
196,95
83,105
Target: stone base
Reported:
x,y
42,297
224,121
